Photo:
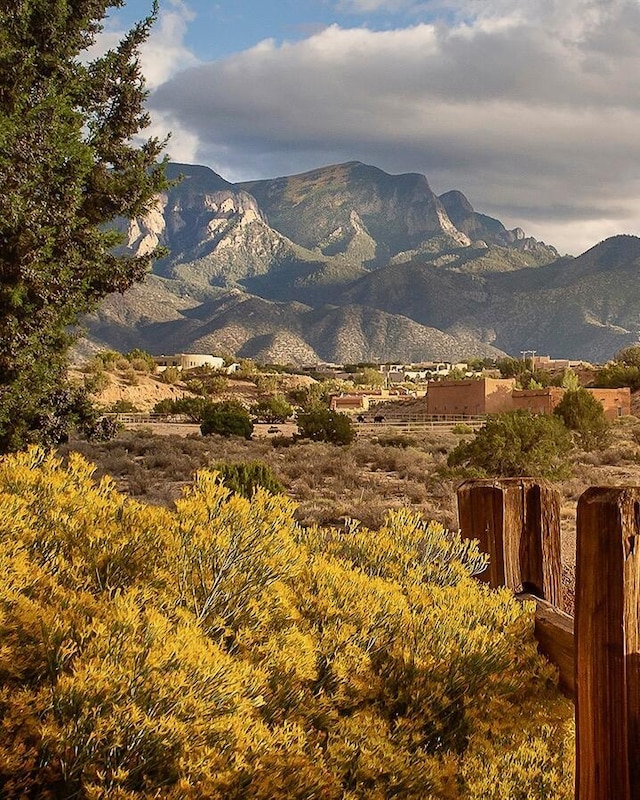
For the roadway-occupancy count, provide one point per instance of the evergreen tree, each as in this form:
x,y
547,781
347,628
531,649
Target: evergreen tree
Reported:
x,y
581,412
227,418
323,425
516,444
68,171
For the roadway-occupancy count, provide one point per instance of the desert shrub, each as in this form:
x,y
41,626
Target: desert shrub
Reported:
x,y
517,443
246,477
122,406
280,440
192,407
219,650
102,430
582,413
228,418
96,381
629,356
616,375
396,440
323,425
271,410
461,429
170,375
141,360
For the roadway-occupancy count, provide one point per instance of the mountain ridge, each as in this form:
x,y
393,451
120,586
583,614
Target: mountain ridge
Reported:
x,y
348,262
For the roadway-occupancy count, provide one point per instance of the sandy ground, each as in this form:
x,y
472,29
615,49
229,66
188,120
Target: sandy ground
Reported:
x,y
260,431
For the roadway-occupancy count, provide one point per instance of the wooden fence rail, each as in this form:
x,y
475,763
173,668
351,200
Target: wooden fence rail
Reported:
x,y
517,522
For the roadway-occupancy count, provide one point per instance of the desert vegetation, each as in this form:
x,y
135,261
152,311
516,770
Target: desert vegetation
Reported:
x,y
218,649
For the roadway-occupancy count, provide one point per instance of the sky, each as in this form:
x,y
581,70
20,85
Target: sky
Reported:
x,y
531,108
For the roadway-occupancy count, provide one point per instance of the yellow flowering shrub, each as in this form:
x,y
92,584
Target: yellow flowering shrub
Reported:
x,y
218,650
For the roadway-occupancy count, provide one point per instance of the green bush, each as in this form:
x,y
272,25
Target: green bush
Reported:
x,y
96,381
245,478
192,407
323,425
170,375
228,418
516,444
461,428
271,410
617,375
122,407
141,361
581,412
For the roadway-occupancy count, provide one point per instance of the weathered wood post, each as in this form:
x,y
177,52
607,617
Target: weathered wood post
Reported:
x,y
517,521
607,630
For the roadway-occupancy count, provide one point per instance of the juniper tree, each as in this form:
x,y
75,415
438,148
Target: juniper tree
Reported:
x,y
68,170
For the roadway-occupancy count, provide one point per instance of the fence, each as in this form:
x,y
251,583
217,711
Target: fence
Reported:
x,y
416,424
517,522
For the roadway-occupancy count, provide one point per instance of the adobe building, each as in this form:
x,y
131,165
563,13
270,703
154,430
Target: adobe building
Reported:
x,y
616,402
347,403
470,397
538,401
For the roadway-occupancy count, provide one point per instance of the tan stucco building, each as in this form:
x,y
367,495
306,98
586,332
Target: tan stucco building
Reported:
x,y
470,397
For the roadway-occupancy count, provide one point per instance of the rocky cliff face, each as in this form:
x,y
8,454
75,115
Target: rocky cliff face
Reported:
x,y
327,207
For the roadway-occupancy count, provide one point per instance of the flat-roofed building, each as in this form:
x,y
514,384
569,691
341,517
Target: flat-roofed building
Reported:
x,y
470,397
188,361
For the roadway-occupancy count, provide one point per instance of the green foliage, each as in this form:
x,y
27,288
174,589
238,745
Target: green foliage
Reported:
x,y
192,407
69,169
323,425
271,410
369,377
526,376
629,356
96,381
581,412
317,393
170,375
265,383
512,367
570,380
218,650
247,477
122,407
616,375
141,361
461,429
228,418
516,444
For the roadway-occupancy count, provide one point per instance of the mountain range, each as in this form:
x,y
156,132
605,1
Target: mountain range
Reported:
x,y
347,263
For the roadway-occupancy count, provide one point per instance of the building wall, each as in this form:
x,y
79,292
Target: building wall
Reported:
x,y
348,403
188,361
616,402
486,396
538,401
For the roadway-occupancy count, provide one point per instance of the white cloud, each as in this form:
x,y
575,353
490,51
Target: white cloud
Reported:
x,y
532,109
164,53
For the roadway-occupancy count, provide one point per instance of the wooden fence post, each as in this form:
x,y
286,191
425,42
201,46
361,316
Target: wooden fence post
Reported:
x,y
607,631
517,521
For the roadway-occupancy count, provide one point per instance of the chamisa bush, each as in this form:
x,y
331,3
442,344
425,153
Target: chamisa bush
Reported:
x,y
217,650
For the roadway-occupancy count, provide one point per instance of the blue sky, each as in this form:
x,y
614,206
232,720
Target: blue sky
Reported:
x,y
529,107
219,29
